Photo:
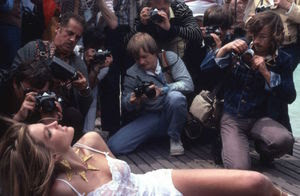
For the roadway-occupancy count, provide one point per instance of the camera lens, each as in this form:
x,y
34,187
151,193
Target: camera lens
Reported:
x,y
48,105
150,92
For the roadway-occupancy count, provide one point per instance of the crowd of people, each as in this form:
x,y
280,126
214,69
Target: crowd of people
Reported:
x,y
138,65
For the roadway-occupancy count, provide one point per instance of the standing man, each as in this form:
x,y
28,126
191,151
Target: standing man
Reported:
x,y
172,26
161,105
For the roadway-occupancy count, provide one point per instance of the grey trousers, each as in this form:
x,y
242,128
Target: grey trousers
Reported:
x,y
271,140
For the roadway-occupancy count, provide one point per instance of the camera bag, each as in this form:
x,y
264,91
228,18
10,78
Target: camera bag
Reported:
x,y
207,108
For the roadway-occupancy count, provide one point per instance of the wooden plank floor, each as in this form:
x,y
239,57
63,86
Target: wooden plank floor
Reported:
x,y
155,155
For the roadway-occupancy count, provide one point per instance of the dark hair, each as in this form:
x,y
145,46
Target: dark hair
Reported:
x,y
148,2
142,41
217,15
93,37
66,17
267,19
37,73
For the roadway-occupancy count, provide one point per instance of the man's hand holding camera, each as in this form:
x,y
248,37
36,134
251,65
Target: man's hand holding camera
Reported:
x,y
141,94
27,106
158,17
145,15
238,46
258,63
81,84
46,104
107,62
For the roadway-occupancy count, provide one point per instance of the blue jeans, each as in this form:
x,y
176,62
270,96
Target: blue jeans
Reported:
x,y
169,121
10,42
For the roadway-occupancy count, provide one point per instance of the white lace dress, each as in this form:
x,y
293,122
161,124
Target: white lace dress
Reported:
x,y
158,182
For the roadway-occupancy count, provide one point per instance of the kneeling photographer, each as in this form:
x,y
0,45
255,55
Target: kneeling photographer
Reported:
x,y
26,97
154,88
259,83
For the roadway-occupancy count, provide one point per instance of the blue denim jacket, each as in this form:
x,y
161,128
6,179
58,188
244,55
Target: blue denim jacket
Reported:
x,y
246,92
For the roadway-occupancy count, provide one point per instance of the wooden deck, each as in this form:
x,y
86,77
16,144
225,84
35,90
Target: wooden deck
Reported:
x,y
155,155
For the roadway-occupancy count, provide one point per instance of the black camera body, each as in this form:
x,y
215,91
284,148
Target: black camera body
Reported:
x,y
46,101
245,58
208,39
143,88
155,17
262,8
61,70
100,56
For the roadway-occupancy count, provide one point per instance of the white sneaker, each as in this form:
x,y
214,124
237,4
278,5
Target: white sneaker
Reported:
x,y
176,147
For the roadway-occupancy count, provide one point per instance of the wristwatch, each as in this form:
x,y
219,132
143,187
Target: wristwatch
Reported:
x,y
85,92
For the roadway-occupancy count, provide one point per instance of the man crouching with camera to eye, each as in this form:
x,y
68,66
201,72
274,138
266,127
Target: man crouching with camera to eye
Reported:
x,y
26,95
255,93
162,106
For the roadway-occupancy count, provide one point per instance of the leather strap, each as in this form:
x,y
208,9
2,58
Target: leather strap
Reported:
x,y
166,68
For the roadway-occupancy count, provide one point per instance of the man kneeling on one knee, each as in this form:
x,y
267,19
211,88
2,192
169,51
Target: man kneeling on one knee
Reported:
x,y
161,105
256,93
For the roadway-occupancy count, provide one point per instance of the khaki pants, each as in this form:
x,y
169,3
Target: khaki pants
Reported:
x,y
271,140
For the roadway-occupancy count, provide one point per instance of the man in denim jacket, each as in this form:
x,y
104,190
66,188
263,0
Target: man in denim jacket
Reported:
x,y
163,114
250,90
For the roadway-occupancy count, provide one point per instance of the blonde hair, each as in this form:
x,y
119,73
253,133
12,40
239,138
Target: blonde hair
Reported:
x,y
142,41
26,166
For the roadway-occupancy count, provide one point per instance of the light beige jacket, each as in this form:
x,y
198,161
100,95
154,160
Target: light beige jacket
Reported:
x,y
290,19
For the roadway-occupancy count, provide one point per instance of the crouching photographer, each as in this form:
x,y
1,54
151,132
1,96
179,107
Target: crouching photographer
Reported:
x,y
23,96
255,95
149,92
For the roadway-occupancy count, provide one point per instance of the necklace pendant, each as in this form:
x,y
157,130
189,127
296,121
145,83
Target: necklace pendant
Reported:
x,y
86,158
69,175
83,176
91,167
66,164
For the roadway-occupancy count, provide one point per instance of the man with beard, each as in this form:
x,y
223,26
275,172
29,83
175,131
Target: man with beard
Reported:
x,y
76,94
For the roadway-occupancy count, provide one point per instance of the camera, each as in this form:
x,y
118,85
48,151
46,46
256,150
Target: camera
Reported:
x,y
262,8
208,39
46,101
155,17
245,58
61,70
144,88
100,56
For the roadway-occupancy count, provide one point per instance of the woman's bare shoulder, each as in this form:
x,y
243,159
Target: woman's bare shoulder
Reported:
x,y
94,140
60,188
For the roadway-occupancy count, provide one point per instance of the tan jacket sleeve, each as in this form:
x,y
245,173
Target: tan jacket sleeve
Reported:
x,y
250,10
294,14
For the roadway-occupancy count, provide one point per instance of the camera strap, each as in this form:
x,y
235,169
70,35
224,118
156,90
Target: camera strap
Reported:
x,y
43,50
166,68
